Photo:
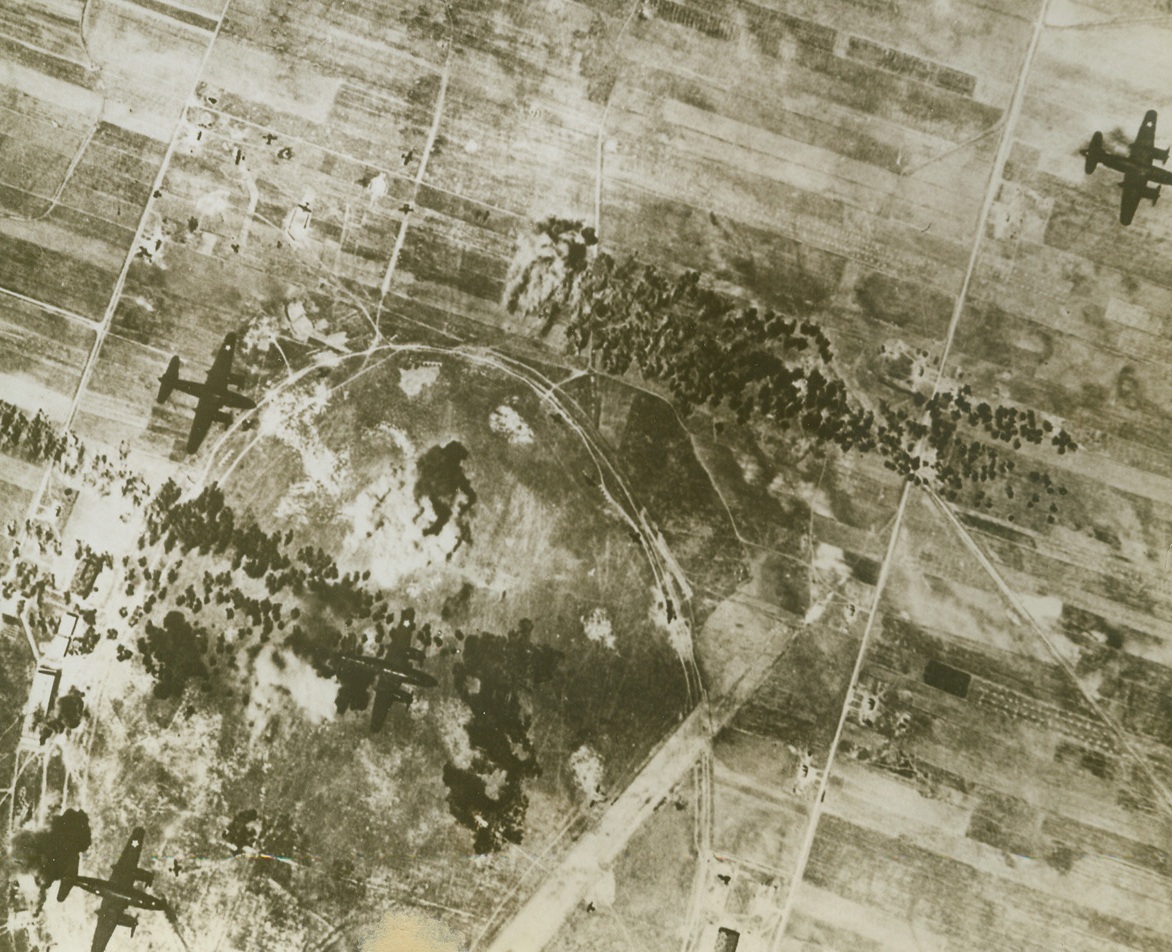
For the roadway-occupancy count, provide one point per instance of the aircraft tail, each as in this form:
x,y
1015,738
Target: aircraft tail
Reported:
x,y
1093,152
169,379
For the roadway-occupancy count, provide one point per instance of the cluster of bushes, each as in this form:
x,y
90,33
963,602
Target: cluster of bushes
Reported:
x,y
710,349
36,440
491,677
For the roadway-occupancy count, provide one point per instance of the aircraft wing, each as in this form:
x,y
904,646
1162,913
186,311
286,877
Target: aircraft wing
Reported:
x,y
205,413
1145,139
127,865
1132,192
217,379
188,386
108,916
397,652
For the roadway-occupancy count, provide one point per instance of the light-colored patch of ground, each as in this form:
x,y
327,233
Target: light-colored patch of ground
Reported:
x,y
509,423
412,380
589,772
291,418
815,497
70,924
829,572
829,560
750,468
25,391
248,69
1046,609
382,771
106,522
413,931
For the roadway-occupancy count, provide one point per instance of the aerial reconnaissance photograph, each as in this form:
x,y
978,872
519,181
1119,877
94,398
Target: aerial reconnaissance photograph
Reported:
x,y
585,475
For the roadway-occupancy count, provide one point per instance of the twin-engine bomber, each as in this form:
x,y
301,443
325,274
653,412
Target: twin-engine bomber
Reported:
x,y
213,393
118,892
1137,166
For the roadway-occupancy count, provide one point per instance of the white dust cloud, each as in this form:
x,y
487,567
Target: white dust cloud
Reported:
x,y
597,627
291,678
387,524
413,931
291,417
674,625
830,559
451,717
387,530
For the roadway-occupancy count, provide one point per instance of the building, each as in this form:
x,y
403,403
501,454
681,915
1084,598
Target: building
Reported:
x,y
726,940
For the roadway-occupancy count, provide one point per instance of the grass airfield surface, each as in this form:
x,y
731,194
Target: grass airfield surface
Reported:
x,y
864,164
334,461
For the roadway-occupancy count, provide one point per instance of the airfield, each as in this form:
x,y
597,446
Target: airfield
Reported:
x,y
752,690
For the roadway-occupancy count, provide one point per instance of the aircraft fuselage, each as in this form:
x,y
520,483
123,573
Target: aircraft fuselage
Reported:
x,y
1136,169
225,397
127,894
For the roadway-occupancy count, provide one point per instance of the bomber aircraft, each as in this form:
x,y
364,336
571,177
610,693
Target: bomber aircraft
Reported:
x,y
213,393
1138,166
118,892
394,669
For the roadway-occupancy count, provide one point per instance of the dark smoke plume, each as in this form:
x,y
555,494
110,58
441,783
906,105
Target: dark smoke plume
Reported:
x,y
52,853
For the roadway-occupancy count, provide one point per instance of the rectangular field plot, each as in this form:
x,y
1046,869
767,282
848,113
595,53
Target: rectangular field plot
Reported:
x,y
42,357
914,891
976,767
53,26
119,402
75,203
361,97
56,264
18,482
241,228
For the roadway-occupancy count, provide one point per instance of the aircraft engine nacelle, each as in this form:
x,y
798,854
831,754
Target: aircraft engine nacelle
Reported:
x,y
222,416
144,876
1151,193
129,921
1160,155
